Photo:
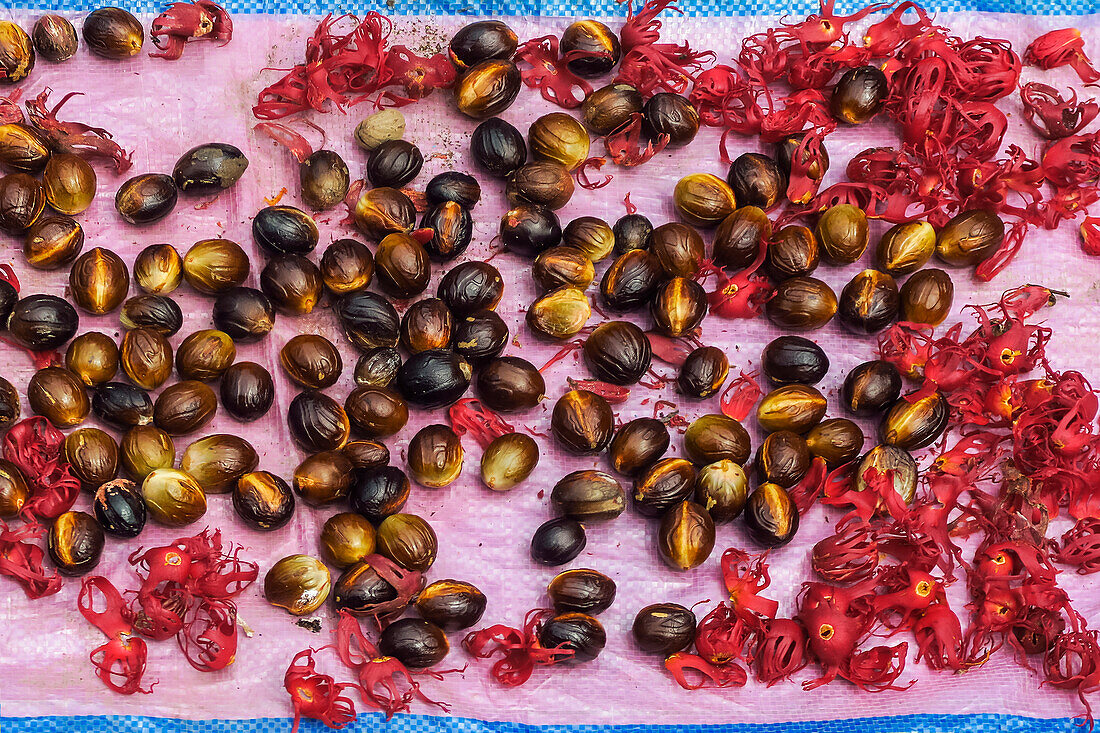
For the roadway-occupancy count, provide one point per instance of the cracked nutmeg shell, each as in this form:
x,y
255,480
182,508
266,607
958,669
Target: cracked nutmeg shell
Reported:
x,y
300,584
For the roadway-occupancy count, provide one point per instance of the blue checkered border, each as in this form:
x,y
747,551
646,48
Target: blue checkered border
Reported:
x,y
553,8
980,723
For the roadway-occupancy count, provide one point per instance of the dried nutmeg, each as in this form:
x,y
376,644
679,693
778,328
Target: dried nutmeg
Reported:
x,y
481,41
119,508
678,307
427,324
23,147
173,498
665,483
970,237
435,456
592,49
158,269
912,425
144,449
376,412
154,312
671,114
771,516
583,590
480,336
434,378
53,242
285,230
498,147
859,95
461,188
560,314
14,491
146,198
402,265
92,456
794,407
451,604
325,477
510,384
722,488
837,441
375,129
783,458
369,320
146,357
22,200
69,182
905,248
558,137
703,372
563,266
528,229
213,266
738,238
664,628
542,183
246,391
394,163
802,304
184,407
582,422
926,297
58,395
716,437
16,53
92,356
452,230
618,352
205,355
122,405
558,541
317,422
218,461
792,252
870,388
685,538
408,540
842,233
487,89
610,107
869,302
382,211
469,287
75,543
632,231
591,235
42,322
756,181
414,642
897,463
98,281
245,314
508,461
631,281
703,199
113,33
263,501
577,631
324,179
376,493
678,248
638,445
588,495
794,360
311,361
54,38
298,583
346,539
9,404
209,168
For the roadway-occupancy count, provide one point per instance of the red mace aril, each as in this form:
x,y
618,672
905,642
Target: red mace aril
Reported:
x,y
1090,236
883,38
939,637
624,143
725,636
468,415
581,174
673,350
740,296
1063,47
740,396
519,649
878,668
10,110
208,639
781,651
1073,663
1052,115
75,137
834,628
22,562
549,73
703,674
1080,546
317,696
849,556
34,446
649,65
293,140
120,662
1073,161
181,22
745,576
908,593
808,490
613,393
383,682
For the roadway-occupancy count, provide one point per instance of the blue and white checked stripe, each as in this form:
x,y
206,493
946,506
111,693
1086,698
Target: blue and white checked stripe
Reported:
x,y
553,8
425,723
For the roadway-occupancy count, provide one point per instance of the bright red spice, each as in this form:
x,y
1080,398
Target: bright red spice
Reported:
x,y
520,650
22,562
34,446
184,21
548,72
120,662
75,137
740,396
1063,47
468,415
317,696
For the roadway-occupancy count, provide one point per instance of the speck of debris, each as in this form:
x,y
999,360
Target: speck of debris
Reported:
x,y
309,624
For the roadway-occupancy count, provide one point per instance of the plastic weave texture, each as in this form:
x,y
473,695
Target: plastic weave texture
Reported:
x,y
159,109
